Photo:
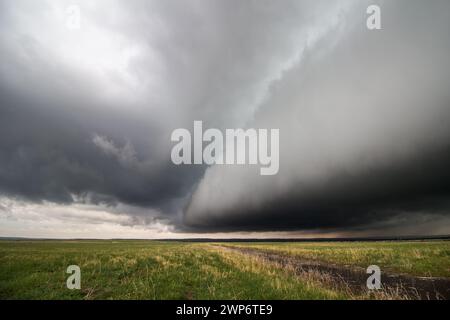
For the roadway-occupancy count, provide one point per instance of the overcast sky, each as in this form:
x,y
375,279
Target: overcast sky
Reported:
x,y
86,116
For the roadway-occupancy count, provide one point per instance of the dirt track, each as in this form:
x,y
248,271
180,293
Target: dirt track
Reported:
x,y
354,278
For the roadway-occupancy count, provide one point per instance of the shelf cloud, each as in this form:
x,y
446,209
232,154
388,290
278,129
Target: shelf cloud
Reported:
x,y
86,115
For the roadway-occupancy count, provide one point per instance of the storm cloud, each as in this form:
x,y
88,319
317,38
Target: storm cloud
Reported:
x,y
86,115
363,120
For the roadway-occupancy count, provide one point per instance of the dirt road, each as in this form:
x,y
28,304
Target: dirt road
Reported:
x,y
354,278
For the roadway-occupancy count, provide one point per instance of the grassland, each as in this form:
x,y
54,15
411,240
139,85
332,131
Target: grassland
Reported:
x,y
180,270
417,258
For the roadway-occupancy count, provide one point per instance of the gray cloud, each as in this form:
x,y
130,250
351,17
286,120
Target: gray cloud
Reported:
x,y
86,115
364,136
129,76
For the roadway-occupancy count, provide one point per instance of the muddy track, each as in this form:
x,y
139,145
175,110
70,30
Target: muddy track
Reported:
x,y
354,278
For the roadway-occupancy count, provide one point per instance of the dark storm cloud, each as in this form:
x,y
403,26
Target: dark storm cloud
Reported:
x,y
364,135
52,155
87,114
418,189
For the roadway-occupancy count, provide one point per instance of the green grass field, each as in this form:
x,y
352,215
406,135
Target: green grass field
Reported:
x,y
180,270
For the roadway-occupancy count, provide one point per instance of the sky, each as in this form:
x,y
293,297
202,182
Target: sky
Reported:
x,y
87,112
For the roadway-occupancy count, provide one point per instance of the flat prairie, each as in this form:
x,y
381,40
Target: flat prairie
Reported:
x,y
129,269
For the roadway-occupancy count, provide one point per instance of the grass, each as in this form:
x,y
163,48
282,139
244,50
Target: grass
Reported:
x,y
180,270
417,258
143,270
